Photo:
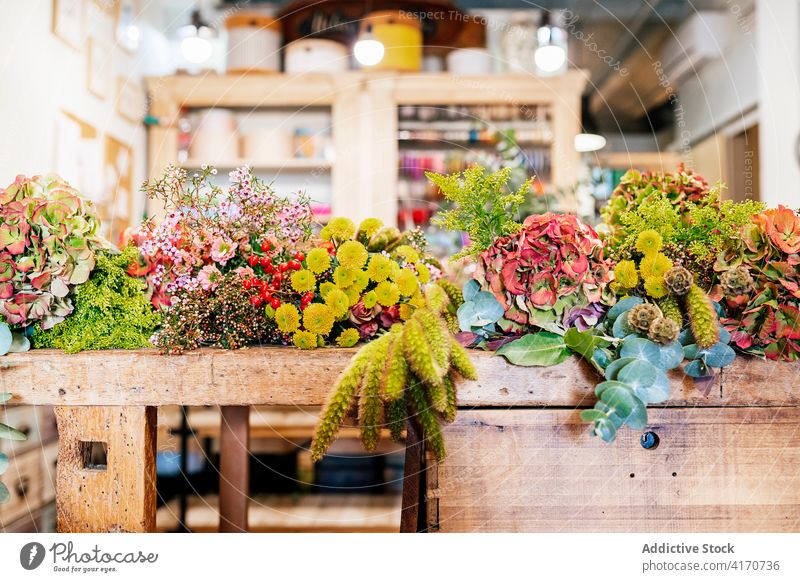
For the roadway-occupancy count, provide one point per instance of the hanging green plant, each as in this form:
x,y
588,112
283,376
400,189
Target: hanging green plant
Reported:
x,y
411,370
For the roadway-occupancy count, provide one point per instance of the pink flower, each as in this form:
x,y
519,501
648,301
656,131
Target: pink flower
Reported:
x,y
223,250
209,277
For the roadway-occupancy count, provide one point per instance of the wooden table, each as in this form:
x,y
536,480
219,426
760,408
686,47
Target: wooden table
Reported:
x,y
519,460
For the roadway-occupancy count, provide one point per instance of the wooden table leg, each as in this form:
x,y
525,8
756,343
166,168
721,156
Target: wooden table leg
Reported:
x,y
106,476
234,472
413,511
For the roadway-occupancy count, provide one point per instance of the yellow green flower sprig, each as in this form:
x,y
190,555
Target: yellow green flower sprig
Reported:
x,y
672,287
357,281
410,371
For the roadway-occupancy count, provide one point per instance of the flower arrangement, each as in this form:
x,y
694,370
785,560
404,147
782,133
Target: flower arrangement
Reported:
x,y
552,273
49,238
761,286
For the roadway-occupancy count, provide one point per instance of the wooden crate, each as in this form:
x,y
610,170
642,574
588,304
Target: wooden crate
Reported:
x,y
521,460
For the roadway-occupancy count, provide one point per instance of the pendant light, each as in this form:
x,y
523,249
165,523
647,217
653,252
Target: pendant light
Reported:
x,y
550,55
589,142
196,38
368,50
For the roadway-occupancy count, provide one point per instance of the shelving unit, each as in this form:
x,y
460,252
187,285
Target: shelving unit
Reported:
x,y
366,129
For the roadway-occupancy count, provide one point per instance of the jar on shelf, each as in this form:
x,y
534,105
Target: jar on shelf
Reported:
x,y
317,55
267,145
401,35
214,139
254,43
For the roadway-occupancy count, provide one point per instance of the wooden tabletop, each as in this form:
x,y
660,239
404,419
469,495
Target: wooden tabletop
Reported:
x,y
290,377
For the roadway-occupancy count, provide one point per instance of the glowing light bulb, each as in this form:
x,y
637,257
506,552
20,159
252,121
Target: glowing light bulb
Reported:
x,y
196,49
589,142
368,50
550,58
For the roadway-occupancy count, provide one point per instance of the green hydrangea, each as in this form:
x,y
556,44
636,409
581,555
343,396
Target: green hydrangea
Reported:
x,y
112,311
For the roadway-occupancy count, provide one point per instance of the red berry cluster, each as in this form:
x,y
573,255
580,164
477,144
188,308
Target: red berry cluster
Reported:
x,y
274,264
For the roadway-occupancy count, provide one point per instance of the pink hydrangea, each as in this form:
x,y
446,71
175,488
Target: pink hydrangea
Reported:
x,y
553,264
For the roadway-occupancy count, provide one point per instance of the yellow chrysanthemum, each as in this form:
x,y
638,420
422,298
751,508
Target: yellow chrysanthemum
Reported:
x,y
625,275
387,293
352,255
655,288
287,317
343,277
318,318
369,226
318,261
325,233
394,272
305,340
406,311
348,338
339,302
417,300
379,268
342,228
654,265
303,281
649,242
326,288
407,282
423,273
353,295
370,299
408,253
361,282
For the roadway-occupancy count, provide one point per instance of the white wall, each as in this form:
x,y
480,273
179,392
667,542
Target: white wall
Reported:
x,y
41,75
778,25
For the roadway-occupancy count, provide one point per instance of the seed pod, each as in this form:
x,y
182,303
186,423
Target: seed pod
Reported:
x,y
736,281
641,317
663,331
678,280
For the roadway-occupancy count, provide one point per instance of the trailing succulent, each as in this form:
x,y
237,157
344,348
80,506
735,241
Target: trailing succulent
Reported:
x,y
410,370
111,311
9,343
648,342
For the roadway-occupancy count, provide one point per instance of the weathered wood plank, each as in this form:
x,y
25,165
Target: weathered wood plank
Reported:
x,y
285,376
119,497
724,469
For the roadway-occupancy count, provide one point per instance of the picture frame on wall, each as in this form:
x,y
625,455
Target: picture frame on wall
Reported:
x,y
117,206
98,70
130,101
68,22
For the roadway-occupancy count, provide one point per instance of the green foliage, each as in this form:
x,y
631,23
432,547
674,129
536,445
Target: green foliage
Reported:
x,y
411,368
536,349
484,208
111,311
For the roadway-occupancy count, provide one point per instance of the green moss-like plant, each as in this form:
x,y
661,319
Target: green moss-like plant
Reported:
x,y
412,368
702,317
484,208
671,309
112,311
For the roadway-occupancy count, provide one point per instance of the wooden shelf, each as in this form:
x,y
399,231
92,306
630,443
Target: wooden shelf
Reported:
x,y
299,164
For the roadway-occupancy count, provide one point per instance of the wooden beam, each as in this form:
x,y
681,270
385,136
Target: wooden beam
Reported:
x,y
289,377
118,495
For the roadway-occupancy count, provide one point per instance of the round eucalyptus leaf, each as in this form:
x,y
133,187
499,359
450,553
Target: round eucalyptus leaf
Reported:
x,y
656,392
690,351
3,463
620,399
605,429
6,339
641,349
5,397
622,306
11,434
592,414
603,386
638,416
697,369
671,355
466,316
470,289
638,373
719,355
487,309
614,367
620,328
19,344
686,337
724,335
5,495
